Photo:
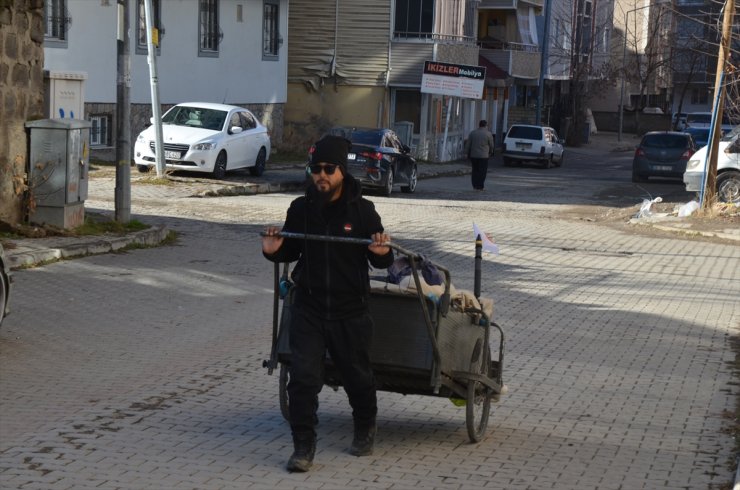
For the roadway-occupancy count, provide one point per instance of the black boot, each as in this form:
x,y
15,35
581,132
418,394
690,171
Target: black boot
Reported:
x,y
364,440
304,449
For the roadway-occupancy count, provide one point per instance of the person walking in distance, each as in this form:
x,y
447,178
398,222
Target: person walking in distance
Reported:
x,y
479,148
331,297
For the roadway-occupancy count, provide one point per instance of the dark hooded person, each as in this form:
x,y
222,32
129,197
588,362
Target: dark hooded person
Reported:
x,y
331,297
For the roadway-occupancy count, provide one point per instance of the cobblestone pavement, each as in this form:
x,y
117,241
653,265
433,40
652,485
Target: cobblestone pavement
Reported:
x,y
144,370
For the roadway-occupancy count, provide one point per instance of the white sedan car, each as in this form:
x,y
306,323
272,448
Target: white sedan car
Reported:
x,y
728,168
206,137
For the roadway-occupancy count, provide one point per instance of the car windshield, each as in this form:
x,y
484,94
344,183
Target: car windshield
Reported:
x,y
366,137
359,136
664,141
198,117
699,118
525,132
732,134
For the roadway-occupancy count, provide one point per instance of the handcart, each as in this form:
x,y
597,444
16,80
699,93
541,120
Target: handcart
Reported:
x,y
422,345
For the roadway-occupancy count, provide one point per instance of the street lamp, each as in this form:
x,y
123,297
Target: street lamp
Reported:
x,y
624,68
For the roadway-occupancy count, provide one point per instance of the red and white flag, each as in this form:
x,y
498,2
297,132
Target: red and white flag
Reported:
x,y
488,244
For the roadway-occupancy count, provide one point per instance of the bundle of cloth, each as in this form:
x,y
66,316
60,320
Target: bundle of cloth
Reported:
x,y
400,280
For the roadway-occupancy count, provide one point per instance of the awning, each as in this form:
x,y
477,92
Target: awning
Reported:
x,y
495,76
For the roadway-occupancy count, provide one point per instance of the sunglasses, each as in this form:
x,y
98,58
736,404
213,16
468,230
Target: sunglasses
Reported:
x,y
328,169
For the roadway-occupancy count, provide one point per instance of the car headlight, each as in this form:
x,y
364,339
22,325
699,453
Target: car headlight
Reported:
x,y
204,146
693,164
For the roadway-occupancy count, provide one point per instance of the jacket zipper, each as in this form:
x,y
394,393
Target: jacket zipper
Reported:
x,y
328,274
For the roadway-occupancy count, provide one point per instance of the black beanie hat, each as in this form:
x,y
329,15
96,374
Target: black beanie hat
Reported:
x,y
332,149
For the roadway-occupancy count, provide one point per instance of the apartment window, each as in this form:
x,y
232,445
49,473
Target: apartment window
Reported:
x,y
587,9
270,32
605,40
56,23
526,96
408,107
141,47
699,96
209,33
414,18
99,132
562,34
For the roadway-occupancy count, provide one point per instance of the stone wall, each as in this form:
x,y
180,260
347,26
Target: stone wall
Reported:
x,y
21,96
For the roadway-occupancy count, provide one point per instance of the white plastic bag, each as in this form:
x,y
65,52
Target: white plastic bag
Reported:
x,y
688,209
645,211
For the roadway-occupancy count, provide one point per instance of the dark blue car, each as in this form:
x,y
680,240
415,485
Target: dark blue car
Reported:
x,y
662,154
378,159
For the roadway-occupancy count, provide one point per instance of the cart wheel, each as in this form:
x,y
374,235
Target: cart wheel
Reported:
x,y
283,390
478,406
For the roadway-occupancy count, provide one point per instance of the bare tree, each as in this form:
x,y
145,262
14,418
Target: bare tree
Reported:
x,y
579,53
695,53
646,57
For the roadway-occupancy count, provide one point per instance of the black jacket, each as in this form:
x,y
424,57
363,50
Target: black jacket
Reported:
x,y
331,277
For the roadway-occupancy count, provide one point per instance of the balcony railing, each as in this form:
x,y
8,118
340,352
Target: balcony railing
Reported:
x,y
432,37
518,60
508,4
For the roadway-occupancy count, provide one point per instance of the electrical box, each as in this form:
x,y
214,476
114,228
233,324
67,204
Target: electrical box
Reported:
x,y
58,171
64,94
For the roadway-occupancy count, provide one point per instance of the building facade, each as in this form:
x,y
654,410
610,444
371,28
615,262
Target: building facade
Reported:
x,y
359,63
226,51
511,51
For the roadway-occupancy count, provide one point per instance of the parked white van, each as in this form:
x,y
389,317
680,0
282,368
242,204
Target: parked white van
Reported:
x,y
728,168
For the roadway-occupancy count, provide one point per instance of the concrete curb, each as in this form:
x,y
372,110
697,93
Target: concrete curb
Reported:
x,y
685,228
29,253
250,189
291,186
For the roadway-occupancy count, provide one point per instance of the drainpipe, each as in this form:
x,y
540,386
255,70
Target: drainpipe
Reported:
x,y
544,62
336,40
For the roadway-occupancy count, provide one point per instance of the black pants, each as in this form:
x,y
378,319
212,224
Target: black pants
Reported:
x,y
348,342
480,169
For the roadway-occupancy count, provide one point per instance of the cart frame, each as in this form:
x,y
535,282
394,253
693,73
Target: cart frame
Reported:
x,y
458,364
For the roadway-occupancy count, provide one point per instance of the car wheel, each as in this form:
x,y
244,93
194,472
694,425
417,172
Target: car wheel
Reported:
x,y
728,186
143,168
4,282
259,165
548,162
388,189
219,170
560,162
412,182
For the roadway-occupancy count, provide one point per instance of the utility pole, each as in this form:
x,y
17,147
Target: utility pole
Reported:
x,y
123,118
151,44
544,62
710,189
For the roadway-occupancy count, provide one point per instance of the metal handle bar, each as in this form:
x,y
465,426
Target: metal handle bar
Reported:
x,y
341,239
365,241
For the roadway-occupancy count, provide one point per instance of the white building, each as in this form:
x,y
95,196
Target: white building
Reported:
x,y
228,51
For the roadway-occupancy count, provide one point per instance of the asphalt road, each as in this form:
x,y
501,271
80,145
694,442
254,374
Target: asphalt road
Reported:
x,y
143,370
